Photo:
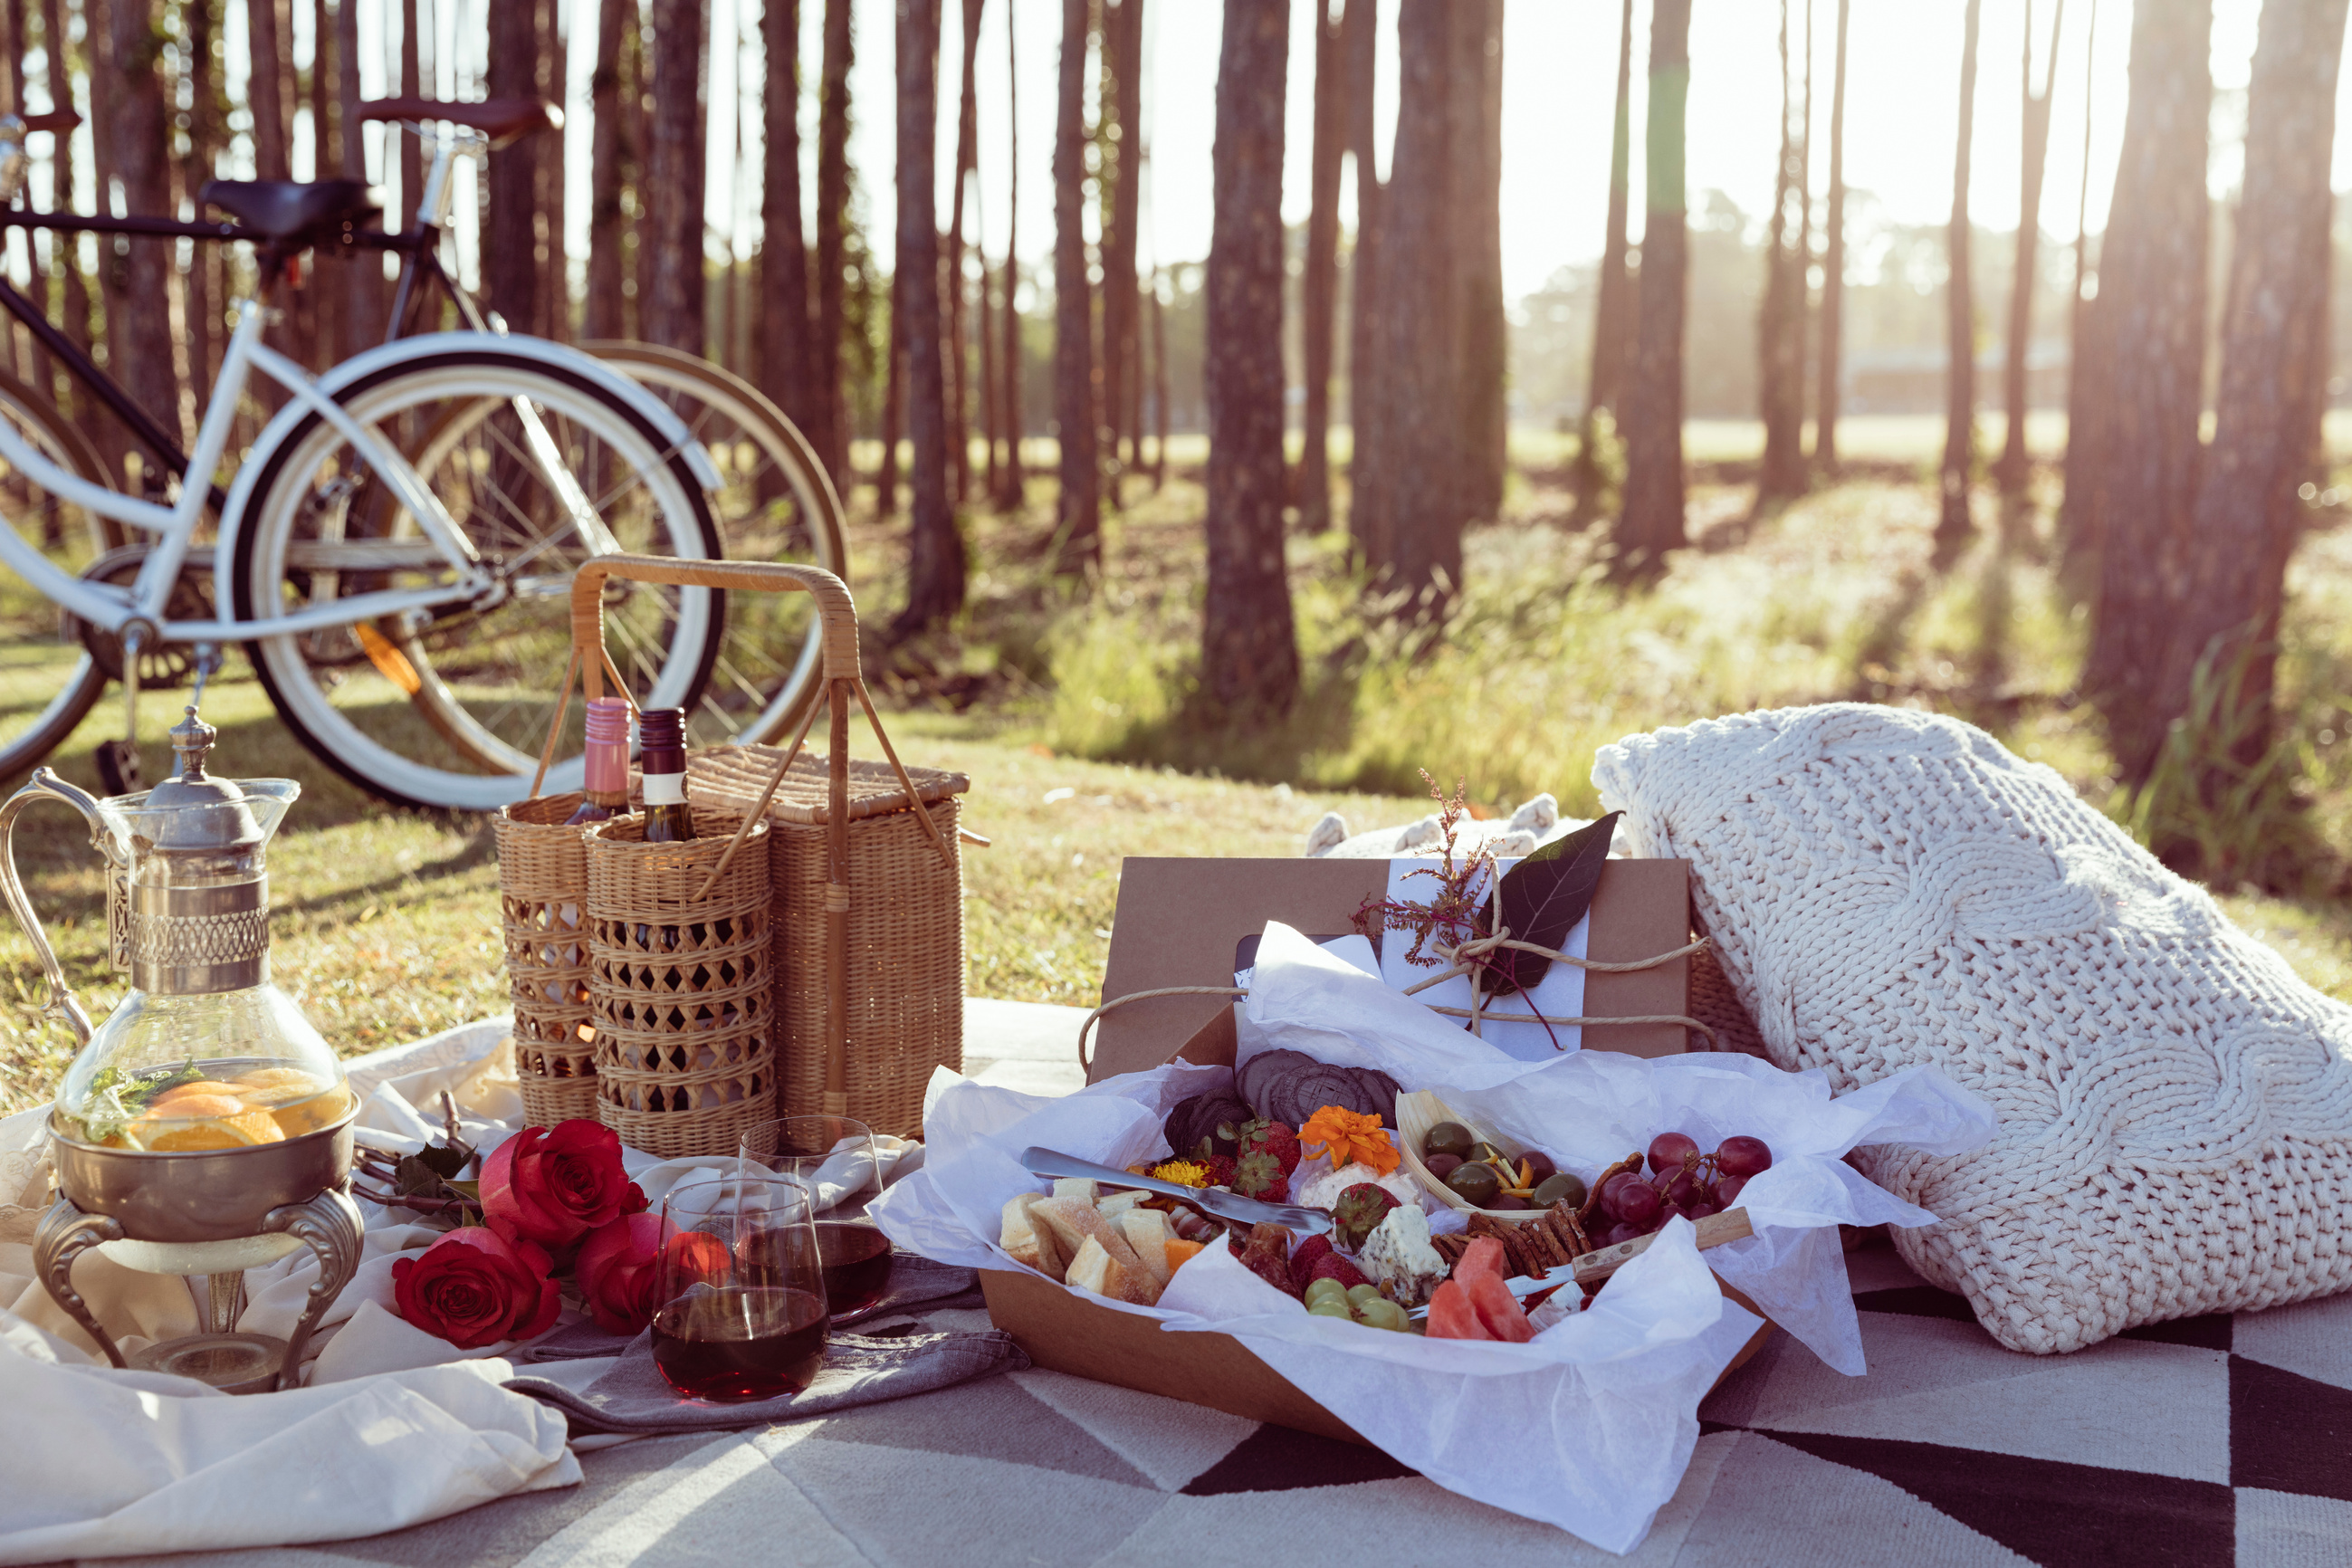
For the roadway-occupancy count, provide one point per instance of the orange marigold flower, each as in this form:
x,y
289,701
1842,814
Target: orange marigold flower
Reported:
x,y
1353,1138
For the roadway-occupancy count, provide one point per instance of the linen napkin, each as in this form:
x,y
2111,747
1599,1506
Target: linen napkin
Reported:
x,y
632,1398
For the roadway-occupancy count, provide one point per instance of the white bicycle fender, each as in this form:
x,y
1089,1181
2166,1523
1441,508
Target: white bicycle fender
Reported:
x,y
666,423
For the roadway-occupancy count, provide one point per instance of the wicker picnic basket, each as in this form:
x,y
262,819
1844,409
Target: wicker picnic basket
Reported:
x,y
679,978
862,916
543,896
904,957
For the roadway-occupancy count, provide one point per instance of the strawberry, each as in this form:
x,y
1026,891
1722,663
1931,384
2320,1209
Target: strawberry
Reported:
x,y
1274,1137
1260,1175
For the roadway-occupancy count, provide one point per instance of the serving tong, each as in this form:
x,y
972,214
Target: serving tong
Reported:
x,y
1230,1207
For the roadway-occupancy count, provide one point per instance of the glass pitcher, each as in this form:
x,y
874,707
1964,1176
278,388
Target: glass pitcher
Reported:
x,y
205,1054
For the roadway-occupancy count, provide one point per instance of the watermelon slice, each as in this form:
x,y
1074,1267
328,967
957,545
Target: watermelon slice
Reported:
x,y
1484,1257
1497,1309
1451,1316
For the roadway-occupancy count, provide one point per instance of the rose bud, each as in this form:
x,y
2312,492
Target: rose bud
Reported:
x,y
475,1287
619,1271
552,1185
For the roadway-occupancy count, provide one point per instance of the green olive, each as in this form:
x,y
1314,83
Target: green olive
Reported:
x,y
1447,1138
1562,1188
1474,1185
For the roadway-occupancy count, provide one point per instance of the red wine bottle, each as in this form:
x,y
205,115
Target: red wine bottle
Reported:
x,y
606,784
661,746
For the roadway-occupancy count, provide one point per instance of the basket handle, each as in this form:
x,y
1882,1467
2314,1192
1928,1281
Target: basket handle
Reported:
x,y
837,614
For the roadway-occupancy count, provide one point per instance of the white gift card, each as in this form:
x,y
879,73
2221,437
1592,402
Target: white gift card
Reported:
x,y
1558,995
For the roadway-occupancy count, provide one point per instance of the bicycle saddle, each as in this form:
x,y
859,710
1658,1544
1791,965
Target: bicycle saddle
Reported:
x,y
282,209
502,120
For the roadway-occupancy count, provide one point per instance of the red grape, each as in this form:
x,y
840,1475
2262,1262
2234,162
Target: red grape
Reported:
x,y
1617,1233
1631,1199
1669,1150
1682,1190
1700,1210
1727,1189
1743,1156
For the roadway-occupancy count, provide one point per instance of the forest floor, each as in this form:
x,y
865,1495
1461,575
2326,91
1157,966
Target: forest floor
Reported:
x,y
1075,717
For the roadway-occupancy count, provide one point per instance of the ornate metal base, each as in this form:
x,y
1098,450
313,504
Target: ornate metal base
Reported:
x,y
328,1224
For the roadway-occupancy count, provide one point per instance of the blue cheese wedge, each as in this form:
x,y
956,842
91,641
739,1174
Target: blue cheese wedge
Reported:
x,y
1398,1255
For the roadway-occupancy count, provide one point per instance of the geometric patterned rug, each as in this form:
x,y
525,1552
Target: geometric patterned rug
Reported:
x,y
2214,1441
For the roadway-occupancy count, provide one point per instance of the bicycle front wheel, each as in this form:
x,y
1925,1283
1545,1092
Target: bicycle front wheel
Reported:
x,y
774,502
450,706
48,679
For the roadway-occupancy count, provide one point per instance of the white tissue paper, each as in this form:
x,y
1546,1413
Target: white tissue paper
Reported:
x,y
1616,1387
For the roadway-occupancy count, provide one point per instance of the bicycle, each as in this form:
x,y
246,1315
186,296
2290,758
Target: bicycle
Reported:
x,y
403,612
756,685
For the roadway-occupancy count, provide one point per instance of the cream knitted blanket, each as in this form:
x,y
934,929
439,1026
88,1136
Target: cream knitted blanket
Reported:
x,y
1886,888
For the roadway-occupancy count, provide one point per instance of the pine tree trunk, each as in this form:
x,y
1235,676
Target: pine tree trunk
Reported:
x,y
1612,321
1009,477
1320,287
412,151
783,312
511,260
330,292
1123,45
935,570
992,386
893,404
951,279
1954,525
2152,296
1652,522
554,84
2273,369
65,249
363,296
1780,323
138,305
1412,504
2034,138
671,299
1486,323
1159,386
612,163
1829,376
1360,57
201,18
1078,526
2086,371
268,46
1249,652
831,398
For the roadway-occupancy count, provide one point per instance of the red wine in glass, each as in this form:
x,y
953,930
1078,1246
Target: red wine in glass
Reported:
x,y
855,1260
735,1343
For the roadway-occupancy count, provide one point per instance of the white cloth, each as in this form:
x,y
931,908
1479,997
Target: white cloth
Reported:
x,y
1889,889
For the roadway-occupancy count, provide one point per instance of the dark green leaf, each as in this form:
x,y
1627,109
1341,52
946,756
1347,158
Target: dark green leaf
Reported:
x,y
412,1177
469,1191
1543,897
445,1161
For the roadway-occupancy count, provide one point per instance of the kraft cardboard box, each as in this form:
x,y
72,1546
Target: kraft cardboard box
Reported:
x,y
1180,921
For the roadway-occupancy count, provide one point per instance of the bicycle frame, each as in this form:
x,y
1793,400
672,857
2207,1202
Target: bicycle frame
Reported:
x,y
141,606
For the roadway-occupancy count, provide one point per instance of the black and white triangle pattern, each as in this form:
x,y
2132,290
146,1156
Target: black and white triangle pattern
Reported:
x,y
2215,1441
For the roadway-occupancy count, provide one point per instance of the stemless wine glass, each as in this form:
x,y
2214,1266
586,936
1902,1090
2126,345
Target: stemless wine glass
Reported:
x,y
837,1161
743,1291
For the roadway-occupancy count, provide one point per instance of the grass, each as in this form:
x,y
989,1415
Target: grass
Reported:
x,y
1075,718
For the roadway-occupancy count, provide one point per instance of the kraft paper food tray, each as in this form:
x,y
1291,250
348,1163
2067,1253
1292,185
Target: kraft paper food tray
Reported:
x,y
1179,920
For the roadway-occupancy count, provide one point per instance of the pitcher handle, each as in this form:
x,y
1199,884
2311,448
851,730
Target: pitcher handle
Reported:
x,y
47,785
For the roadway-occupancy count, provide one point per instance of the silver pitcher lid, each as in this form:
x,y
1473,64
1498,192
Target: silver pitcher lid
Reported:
x,y
196,812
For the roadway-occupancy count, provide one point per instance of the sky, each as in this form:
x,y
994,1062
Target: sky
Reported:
x,y
1560,73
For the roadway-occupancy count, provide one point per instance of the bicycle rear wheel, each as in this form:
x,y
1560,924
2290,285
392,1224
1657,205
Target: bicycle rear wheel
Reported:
x,y
450,707
775,502
49,679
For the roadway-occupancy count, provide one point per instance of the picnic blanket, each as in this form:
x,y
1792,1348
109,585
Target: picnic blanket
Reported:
x,y
2209,1441
2218,1440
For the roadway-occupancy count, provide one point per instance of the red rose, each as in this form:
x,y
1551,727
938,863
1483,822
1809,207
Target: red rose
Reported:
x,y
475,1287
619,1271
554,1184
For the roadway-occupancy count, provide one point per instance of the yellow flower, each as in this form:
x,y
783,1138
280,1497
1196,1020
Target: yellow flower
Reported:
x,y
1353,1138
1191,1172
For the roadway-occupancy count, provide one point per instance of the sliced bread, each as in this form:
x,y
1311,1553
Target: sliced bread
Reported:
x,y
1146,1230
1030,1241
1094,1268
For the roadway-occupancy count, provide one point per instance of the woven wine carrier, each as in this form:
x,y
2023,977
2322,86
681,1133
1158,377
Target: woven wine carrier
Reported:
x,y
723,967
543,904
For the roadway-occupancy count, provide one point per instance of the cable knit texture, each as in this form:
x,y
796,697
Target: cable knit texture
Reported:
x,y
1888,887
